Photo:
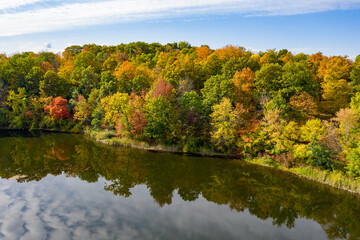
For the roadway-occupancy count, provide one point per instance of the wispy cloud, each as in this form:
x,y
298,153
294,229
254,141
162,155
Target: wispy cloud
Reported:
x,y
72,15
6,4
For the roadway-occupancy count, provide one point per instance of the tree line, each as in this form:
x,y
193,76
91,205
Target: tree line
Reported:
x,y
291,109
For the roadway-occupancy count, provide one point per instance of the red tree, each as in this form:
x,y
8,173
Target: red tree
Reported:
x,y
57,108
162,88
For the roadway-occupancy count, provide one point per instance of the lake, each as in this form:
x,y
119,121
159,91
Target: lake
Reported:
x,y
67,186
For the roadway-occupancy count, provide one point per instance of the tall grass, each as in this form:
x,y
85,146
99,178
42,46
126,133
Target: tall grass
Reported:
x,y
334,178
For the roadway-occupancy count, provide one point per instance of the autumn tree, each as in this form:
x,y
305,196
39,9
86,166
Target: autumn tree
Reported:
x,y
57,108
269,57
229,51
136,118
336,89
223,122
82,111
131,78
161,88
336,94
211,65
312,130
243,87
203,52
273,125
115,107
304,105
348,120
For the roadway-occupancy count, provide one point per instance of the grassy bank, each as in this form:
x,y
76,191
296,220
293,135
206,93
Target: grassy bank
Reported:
x,y
335,178
108,137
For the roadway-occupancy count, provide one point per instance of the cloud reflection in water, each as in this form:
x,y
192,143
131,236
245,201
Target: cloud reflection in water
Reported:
x,y
69,208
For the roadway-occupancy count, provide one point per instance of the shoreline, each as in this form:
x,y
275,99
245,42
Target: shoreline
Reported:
x,y
335,179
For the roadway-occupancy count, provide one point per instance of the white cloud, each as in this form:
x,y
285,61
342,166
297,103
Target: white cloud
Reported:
x,y
6,4
115,11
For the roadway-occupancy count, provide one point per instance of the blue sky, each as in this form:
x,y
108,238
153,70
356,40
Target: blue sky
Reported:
x,y
328,26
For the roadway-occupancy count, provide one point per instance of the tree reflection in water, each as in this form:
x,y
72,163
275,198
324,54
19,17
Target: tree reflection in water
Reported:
x,y
266,193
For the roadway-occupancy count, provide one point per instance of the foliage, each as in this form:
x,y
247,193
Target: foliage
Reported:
x,y
348,120
191,101
52,85
355,74
215,89
269,78
17,102
115,106
291,109
57,109
223,122
162,122
312,130
82,111
320,156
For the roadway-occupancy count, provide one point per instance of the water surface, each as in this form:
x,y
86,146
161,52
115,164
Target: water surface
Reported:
x,y
65,186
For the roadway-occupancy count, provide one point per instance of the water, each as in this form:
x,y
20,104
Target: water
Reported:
x,y
64,186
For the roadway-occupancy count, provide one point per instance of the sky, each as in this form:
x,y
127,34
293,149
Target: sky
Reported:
x,y
328,26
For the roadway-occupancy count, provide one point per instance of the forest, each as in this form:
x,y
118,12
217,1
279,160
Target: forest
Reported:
x,y
294,110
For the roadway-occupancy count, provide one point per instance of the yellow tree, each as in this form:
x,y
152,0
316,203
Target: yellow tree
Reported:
x,y
82,110
348,120
281,136
313,129
203,52
115,106
229,51
223,122
336,67
243,86
334,74
126,69
336,93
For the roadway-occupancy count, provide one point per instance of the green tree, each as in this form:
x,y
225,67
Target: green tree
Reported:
x,y
52,85
320,156
193,122
162,120
269,78
84,80
297,78
215,89
353,166
191,101
17,103
108,85
355,74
